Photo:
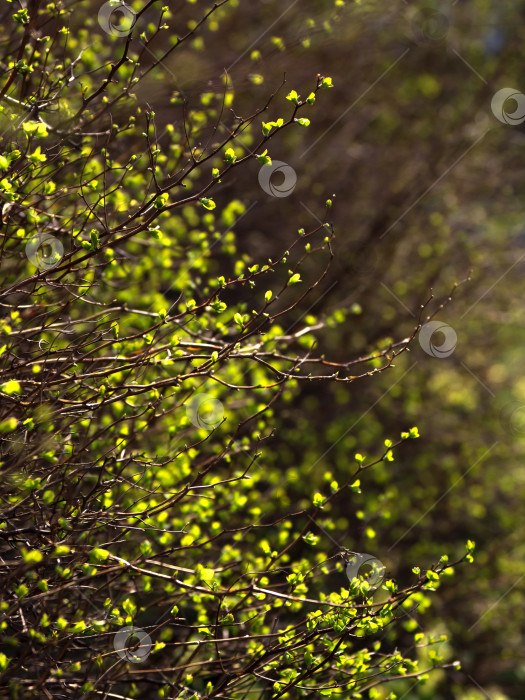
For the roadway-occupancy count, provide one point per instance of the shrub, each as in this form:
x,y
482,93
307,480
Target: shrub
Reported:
x,y
145,362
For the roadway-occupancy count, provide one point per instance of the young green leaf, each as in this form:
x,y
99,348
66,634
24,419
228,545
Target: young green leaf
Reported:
x,y
207,203
230,156
263,158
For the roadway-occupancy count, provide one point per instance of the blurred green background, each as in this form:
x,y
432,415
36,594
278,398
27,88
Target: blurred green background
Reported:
x,y
428,185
